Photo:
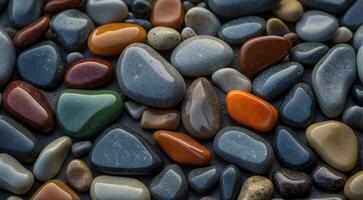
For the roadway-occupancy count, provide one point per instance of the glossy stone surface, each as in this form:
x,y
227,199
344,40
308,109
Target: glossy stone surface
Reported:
x,y
182,149
56,190
88,73
353,117
292,184
342,35
212,55
352,17
298,106
188,32
81,148
360,63
288,10
328,179
17,140
202,21
169,184
358,38
229,79
135,110
332,78
8,57
104,12
60,5
146,77
74,57
121,188
202,180
243,148
334,7
41,65
201,114
163,38
51,158
273,49
352,188
14,178
324,137
169,13
251,111
308,53
120,150
83,114
275,26
78,175
38,114
22,13
357,94
160,119
230,182
237,31
256,188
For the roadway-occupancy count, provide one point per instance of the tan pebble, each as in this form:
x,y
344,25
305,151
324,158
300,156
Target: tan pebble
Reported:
x,y
163,38
342,35
78,175
353,188
288,10
158,119
256,188
275,26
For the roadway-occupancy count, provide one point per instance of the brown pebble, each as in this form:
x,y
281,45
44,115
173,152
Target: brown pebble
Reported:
x,y
56,6
353,188
275,26
288,10
78,175
31,33
292,37
157,119
55,190
169,13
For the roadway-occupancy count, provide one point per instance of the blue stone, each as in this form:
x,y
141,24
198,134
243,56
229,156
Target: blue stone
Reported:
x,y
230,183
202,180
353,117
353,17
22,13
308,53
7,57
357,94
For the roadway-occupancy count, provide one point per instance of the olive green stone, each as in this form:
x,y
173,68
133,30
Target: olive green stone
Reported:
x,y
83,113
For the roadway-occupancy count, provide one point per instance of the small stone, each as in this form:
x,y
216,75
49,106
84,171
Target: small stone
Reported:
x,y
80,149
51,158
169,184
256,188
326,197
14,198
353,187
104,12
141,22
134,109
212,55
342,35
120,150
7,57
292,184
324,137
288,10
243,148
292,38
326,178
188,32
56,190
202,21
200,111
229,79
275,26
22,13
60,5
352,18
334,7
353,117
74,57
182,149
14,178
230,182
141,8
121,188
163,38
160,119
360,64
188,5
202,180
357,94
78,175
72,28
169,13
308,53
316,26
358,38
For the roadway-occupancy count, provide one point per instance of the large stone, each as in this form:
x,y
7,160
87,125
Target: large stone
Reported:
x,y
352,18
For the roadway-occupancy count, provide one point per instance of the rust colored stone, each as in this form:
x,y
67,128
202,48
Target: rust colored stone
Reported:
x,y
292,37
157,119
169,13
55,190
56,6
27,104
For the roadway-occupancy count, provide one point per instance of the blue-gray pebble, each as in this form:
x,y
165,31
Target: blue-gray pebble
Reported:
x,y
22,13
81,148
202,180
308,53
353,117
360,63
230,182
353,18
358,38
334,7
7,57
74,57
106,11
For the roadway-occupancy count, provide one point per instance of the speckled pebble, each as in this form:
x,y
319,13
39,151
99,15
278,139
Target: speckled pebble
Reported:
x,y
163,38
203,21
256,188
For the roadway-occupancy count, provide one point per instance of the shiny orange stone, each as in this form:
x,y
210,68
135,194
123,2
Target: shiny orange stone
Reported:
x,y
112,39
251,111
182,149
169,13
55,190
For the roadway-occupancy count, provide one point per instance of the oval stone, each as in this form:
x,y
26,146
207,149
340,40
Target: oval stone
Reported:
x,y
60,5
213,54
188,32
145,76
38,115
292,184
288,10
8,58
230,182
56,190
353,187
360,63
160,119
169,13
81,148
342,35
229,79
78,175
202,21
358,38
256,188
328,179
353,117
163,38
109,11
308,53
22,13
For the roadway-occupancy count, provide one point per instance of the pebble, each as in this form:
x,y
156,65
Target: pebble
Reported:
x,y
290,151
14,178
243,148
188,5
81,148
56,190
316,26
74,57
358,38
238,8
352,18
326,197
353,117
41,65
241,105
146,77
104,12
182,149
328,179
78,175
202,180
334,7
202,21
163,38
120,150
275,46
169,184
230,182
22,13
17,140
88,73
14,198
292,38
188,32
308,53
298,106
360,64
275,80
292,184
200,111
38,115
121,188
342,35
357,94
256,188
134,109
288,10
168,13
7,57
141,8
275,26
238,31
141,22
229,79
324,137
332,78
72,28
60,5
157,119
30,34
353,187
212,55
51,158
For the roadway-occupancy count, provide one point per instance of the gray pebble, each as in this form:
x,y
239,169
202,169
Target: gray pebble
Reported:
x,y
230,79
163,38
187,5
106,11
353,117
342,35
202,21
22,13
202,180
74,57
188,32
7,57
308,53
358,38
360,63
353,17
142,22
134,109
80,149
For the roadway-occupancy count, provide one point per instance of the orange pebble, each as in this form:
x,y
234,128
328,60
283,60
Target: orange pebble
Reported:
x,y
251,111
56,190
169,13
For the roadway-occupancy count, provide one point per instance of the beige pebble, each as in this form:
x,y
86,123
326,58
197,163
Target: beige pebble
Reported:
x,y
163,38
256,188
288,10
342,35
277,27
353,188
78,175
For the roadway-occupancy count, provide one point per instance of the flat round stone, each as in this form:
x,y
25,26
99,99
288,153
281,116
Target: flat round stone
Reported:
x,y
292,184
353,117
56,190
202,180
160,119
60,5
202,21
288,10
163,38
352,188
104,12
256,188
168,13
22,13
308,53
328,179
352,17
230,182
8,57
229,79
81,148
78,175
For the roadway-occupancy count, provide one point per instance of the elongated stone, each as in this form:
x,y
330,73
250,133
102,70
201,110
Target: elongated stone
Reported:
x,y
328,179
202,180
230,182
308,53
8,57
160,119
56,190
360,63
256,188
78,175
81,148
169,13
229,79
292,184
60,5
